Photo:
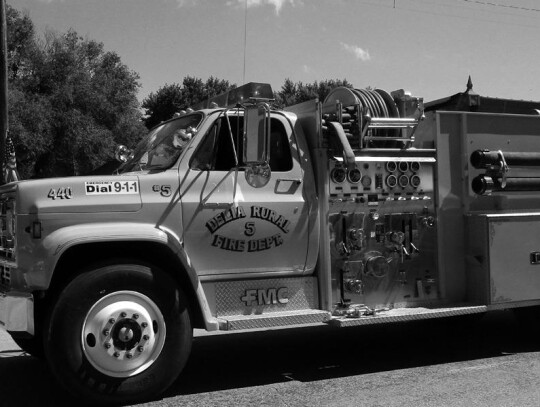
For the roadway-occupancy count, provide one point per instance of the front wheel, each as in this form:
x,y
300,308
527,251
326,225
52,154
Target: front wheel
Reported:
x,y
119,333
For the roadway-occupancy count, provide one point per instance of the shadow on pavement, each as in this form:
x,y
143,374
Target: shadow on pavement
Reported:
x,y
311,354
306,354
26,381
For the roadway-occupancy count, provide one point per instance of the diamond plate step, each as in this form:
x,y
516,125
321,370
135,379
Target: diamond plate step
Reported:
x,y
276,319
407,314
232,297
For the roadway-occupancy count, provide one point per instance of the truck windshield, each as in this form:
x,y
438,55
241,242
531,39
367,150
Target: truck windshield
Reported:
x,y
161,148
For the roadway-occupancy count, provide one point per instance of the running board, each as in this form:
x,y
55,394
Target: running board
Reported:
x,y
275,319
406,314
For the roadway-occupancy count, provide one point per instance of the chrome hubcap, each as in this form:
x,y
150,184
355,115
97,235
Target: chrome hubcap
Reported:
x,y
123,334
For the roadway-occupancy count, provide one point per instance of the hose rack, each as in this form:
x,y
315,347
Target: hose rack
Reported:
x,y
370,118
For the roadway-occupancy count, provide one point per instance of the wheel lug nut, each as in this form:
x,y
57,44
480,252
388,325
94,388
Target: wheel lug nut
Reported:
x,y
146,337
123,314
112,321
140,348
106,332
107,345
144,324
116,354
129,355
135,316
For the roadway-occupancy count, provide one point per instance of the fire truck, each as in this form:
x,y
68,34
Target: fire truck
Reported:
x,y
366,208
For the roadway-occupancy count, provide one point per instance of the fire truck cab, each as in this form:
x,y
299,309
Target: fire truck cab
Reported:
x,y
365,208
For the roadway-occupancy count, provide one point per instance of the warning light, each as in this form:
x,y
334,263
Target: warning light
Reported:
x,y
242,94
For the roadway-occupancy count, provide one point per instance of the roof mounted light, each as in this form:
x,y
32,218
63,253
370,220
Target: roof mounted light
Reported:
x,y
251,91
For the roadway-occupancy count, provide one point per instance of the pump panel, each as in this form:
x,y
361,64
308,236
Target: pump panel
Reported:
x,y
383,232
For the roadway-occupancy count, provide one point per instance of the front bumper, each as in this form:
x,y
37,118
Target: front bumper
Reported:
x,y
17,312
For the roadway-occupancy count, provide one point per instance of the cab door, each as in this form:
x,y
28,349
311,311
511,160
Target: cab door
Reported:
x,y
231,227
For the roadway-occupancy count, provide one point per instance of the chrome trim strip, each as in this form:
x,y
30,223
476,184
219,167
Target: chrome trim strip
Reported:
x,y
251,276
407,314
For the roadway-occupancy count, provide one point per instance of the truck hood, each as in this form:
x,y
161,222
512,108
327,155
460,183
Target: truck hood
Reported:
x,y
89,194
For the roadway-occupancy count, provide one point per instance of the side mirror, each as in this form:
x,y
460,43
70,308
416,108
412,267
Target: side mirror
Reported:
x,y
122,153
256,134
256,144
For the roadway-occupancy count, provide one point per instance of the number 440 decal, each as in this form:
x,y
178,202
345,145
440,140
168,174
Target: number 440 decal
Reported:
x,y
60,193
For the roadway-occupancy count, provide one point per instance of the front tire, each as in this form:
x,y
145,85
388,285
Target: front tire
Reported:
x,y
119,333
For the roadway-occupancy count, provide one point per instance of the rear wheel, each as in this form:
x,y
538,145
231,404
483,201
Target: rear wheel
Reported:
x,y
119,333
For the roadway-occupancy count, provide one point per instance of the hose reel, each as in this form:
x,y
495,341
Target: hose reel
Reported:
x,y
370,118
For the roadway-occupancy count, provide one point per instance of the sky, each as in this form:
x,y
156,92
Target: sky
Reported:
x,y
427,47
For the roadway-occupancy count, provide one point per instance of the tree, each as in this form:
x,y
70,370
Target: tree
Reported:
x,y
170,99
287,95
292,93
70,100
163,104
20,31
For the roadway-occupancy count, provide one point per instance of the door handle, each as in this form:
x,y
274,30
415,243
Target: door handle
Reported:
x,y
293,180
287,185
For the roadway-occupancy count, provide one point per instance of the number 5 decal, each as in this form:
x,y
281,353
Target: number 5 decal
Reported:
x,y
250,229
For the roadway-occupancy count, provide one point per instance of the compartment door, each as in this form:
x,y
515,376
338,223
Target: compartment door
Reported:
x,y
514,258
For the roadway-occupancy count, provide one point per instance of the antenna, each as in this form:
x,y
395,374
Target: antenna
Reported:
x,y
245,42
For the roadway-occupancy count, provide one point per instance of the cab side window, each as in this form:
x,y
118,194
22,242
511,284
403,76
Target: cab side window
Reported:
x,y
280,150
216,152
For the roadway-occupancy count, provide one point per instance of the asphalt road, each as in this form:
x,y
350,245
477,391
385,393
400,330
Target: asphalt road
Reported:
x,y
492,362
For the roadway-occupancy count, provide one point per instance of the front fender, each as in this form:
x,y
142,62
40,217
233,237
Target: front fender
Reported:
x,y
62,239
45,256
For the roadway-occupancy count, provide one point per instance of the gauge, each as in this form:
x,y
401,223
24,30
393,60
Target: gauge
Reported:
x,y
338,175
354,176
391,181
391,166
366,181
403,166
403,181
415,181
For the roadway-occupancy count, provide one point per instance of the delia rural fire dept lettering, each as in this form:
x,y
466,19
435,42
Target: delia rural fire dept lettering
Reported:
x,y
249,245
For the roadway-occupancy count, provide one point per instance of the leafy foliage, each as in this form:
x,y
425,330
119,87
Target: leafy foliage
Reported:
x,y
70,101
292,93
170,99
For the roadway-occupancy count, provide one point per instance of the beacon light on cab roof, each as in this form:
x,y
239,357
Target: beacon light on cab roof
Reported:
x,y
241,94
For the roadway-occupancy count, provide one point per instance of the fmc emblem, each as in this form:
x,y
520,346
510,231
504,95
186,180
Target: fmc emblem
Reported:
x,y
269,296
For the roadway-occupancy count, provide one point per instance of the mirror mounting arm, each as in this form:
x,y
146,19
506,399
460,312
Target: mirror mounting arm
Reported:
x,y
231,136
